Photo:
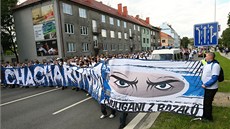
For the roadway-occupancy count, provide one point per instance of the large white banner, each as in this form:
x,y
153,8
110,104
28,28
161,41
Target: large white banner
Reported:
x,y
127,85
147,86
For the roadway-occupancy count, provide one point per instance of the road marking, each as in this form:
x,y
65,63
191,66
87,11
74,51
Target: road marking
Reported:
x,y
71,106
132,124
14,101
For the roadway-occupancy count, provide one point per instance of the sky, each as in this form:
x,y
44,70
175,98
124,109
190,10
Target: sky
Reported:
x,y
182,15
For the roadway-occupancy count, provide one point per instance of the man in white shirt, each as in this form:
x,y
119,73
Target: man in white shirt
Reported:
x,y
210,84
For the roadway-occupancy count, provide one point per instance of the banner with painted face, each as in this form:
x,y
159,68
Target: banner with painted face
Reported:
x,y
147,86
127,85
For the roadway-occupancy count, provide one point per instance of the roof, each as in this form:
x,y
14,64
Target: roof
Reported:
x,y
162,34
95,5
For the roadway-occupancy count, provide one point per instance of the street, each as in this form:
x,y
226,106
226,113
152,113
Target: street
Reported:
x,y
50,108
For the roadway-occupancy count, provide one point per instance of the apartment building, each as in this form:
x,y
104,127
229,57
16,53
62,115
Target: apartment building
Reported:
x,y
67,28
168,29
166,40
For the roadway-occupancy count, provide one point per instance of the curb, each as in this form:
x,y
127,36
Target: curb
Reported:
x,y
226,56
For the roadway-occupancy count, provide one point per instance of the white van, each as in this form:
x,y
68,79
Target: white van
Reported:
x,y
166,54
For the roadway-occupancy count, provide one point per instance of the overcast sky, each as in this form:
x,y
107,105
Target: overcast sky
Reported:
x,y
181,14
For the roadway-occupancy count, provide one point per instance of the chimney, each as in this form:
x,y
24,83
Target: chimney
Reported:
x,y
119,6
125,11
137,16
147,20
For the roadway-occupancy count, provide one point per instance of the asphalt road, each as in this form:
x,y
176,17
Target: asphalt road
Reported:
x,y
41,108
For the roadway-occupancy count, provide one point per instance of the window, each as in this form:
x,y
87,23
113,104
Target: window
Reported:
x,y
138,28
118,23
69,28
85,47
125,35
125,24
71,47
163,41
143,31
147,40
103,33
67,9
130,33
143,40
105,47
103,18
95,41
112,35
147,31
82,13
120,47
84,30
119,35
94,25
134,27
113,47
111,21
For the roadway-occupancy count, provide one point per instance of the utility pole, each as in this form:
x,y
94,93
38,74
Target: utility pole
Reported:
x,y
214,10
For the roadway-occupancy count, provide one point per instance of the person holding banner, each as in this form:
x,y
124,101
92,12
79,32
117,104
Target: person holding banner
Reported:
x,y
210,84
104,112
123,120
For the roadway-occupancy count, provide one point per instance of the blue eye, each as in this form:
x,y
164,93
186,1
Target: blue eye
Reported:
x,y
163,86
121,83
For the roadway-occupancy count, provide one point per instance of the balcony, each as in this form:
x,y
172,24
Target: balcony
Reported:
x,y
96,31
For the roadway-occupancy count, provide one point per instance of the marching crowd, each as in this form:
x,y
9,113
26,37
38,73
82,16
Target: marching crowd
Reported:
x,y
90,61
83,62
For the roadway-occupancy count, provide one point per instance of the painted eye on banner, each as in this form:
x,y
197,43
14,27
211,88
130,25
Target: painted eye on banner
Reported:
x,y
163,86
122,83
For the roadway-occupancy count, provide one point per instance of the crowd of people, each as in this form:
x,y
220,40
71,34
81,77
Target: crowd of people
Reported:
x,y
90,61
79,61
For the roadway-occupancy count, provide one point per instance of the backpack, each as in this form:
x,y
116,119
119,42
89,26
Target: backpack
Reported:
x,y
221,74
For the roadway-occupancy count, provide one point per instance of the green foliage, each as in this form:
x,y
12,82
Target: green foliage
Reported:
x,y
176,121
228,19
226,37
224,62
184,42
7,26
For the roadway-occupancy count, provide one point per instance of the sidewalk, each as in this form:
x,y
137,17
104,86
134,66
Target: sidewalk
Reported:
x,y
227,56
222,99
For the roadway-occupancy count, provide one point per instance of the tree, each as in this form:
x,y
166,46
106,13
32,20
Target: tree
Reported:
x,y
7,26
228,19
184,42
226,37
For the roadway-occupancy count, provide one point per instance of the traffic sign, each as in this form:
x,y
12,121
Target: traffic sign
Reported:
x,y
206,34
